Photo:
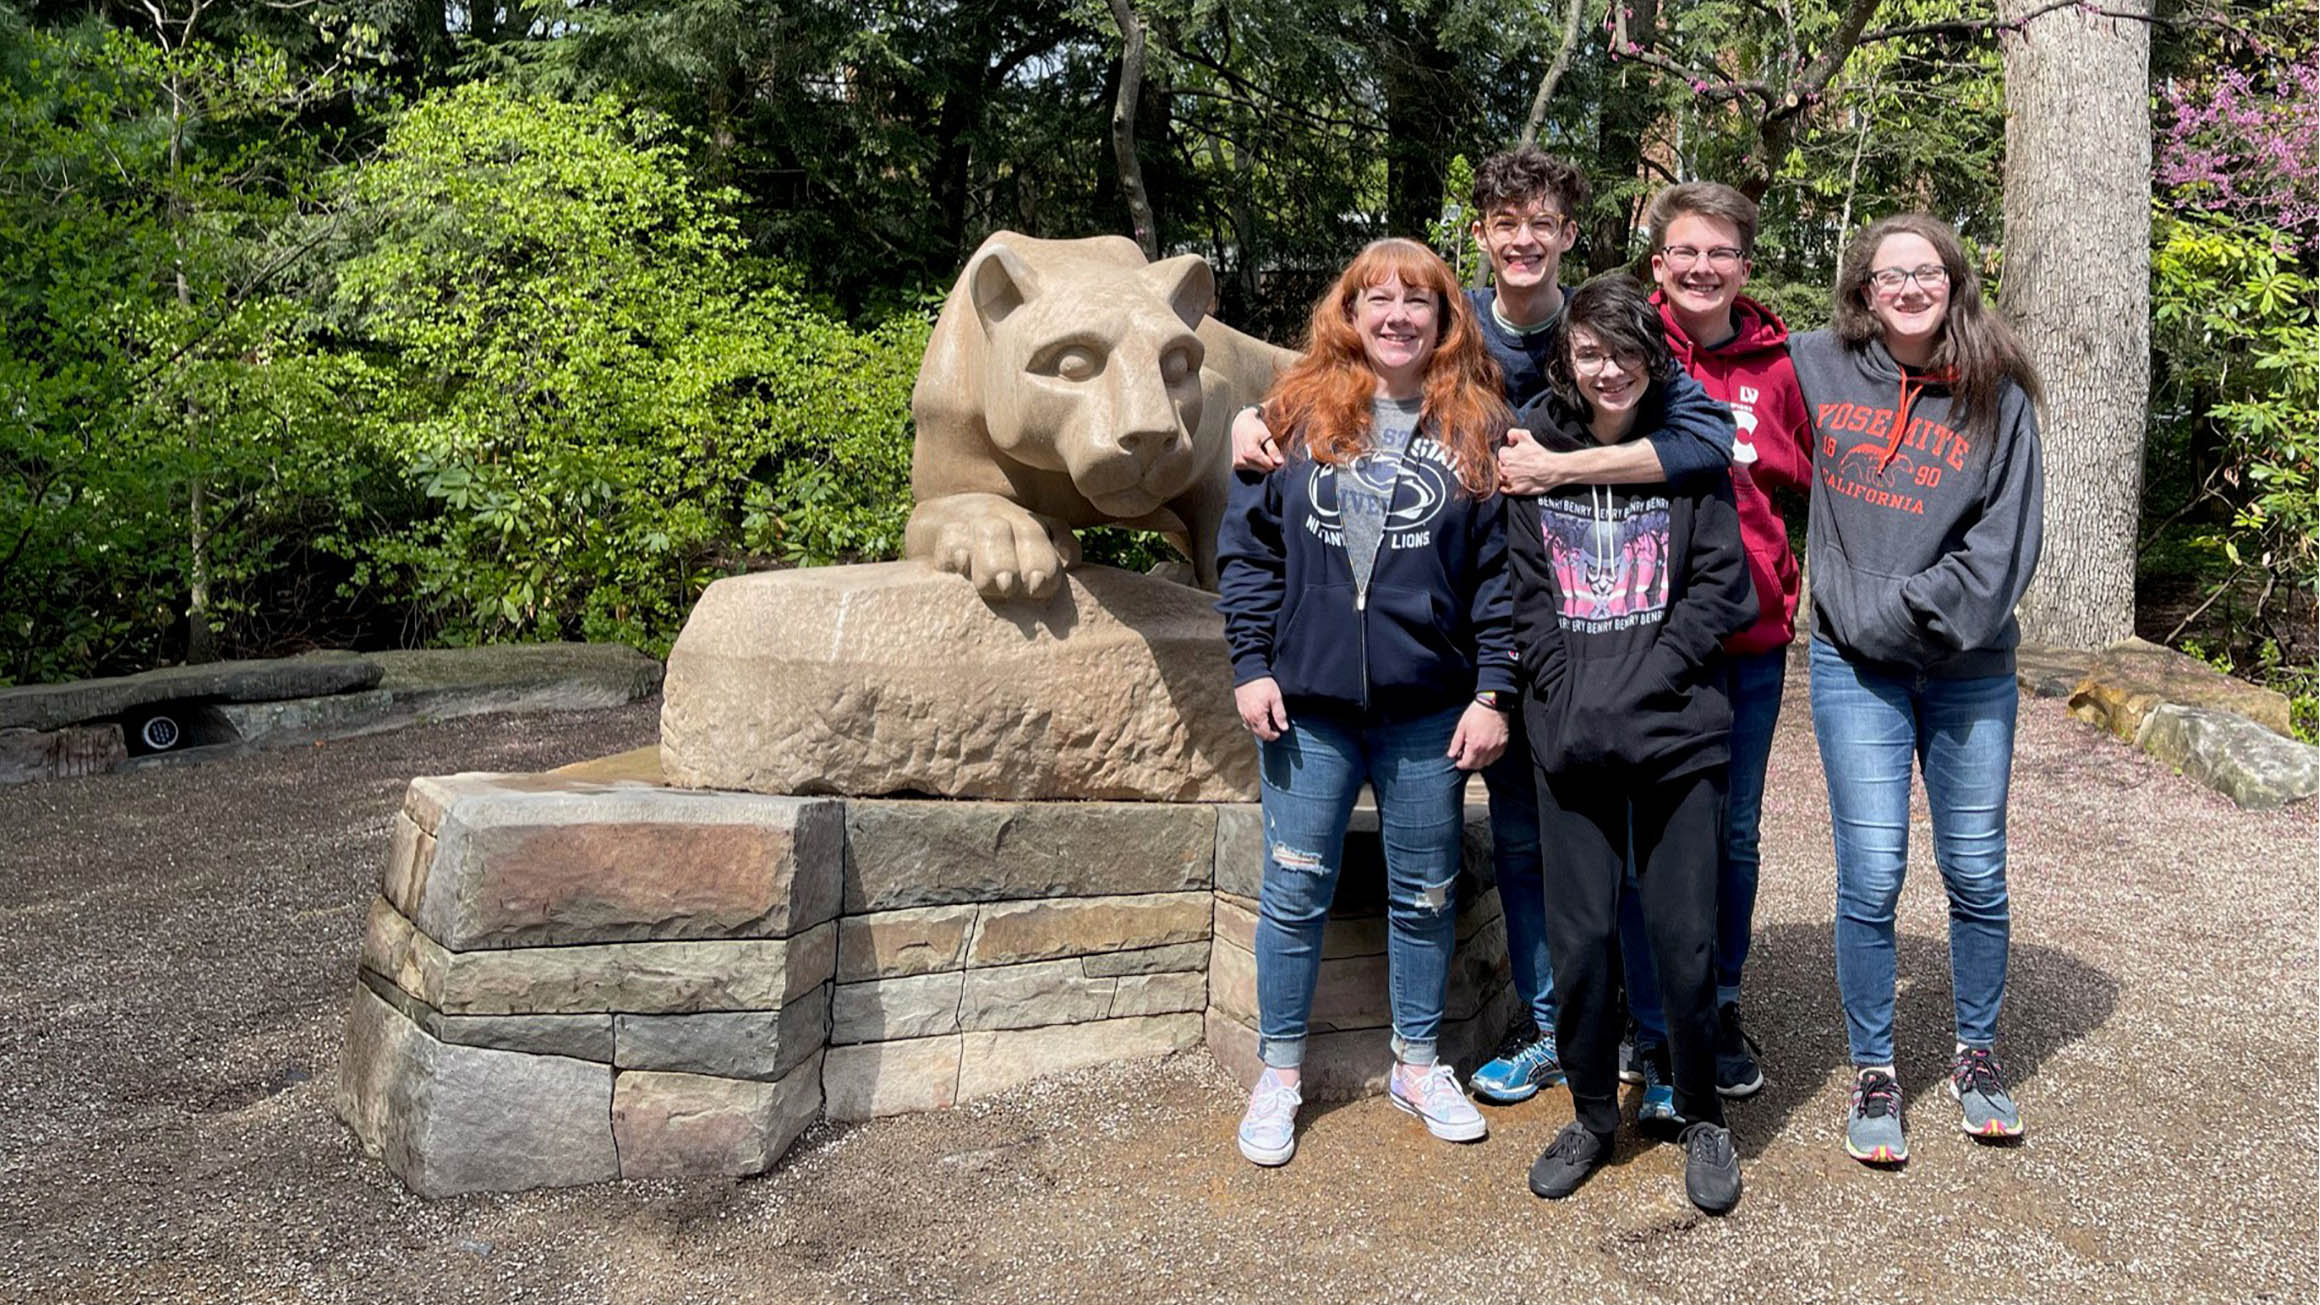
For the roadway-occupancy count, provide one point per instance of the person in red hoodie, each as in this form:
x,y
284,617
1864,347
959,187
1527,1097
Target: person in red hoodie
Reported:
x,y
1702,234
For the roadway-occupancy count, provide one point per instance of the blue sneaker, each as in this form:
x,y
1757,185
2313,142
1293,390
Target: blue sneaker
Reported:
x,y
1659,1094
1525,1062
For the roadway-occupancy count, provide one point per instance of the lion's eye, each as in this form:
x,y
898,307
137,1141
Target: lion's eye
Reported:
x,y
1075,363
1176,364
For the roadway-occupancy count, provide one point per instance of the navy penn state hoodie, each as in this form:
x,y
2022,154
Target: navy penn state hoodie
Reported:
x,y
1623,597
1432,630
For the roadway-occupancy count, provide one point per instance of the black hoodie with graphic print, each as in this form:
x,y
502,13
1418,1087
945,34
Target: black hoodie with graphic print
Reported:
x,y
1922,539
1623,596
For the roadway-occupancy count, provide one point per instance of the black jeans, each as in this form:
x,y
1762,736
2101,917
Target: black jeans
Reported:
x,y
1590,824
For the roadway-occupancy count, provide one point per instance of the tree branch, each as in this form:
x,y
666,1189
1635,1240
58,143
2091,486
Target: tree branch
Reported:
x,y
1547,84
1978,26
1124,128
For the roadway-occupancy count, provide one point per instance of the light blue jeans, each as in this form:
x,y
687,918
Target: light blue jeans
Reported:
x,y
1871,724
1312,774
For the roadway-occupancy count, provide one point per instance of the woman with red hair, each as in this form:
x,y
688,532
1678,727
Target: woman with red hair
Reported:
x,y
1364,595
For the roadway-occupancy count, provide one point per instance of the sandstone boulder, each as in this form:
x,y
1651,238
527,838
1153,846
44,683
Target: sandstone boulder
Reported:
x,y
2049,670
75,750
2232,755
895,678
2130,678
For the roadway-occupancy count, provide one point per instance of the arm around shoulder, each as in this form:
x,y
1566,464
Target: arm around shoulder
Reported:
x,y
1695,434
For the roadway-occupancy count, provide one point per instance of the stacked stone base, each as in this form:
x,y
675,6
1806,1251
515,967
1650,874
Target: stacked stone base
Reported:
x,y
568,980
1348,1046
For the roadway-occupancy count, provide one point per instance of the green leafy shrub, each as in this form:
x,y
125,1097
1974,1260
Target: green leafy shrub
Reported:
x,y
2233,442
608,404
165,423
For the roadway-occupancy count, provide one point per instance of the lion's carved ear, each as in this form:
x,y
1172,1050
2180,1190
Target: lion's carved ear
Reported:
x,y
1000,282
1186,283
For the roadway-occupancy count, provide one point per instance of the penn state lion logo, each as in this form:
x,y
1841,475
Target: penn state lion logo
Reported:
x,y
1069,383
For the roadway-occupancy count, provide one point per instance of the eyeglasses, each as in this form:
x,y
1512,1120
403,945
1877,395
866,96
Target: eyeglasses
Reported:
x,y
1541,226
1889,280
1723,257
1587,362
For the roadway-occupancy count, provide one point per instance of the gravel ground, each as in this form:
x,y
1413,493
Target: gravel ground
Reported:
x,y
177,948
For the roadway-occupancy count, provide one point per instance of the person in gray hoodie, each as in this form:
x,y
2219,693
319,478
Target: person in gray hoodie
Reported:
x,y
1924,531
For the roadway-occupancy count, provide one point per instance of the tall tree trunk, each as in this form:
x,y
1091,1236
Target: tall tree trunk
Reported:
x,y
1627,112
1421,91
200,638
1124,128
2077,283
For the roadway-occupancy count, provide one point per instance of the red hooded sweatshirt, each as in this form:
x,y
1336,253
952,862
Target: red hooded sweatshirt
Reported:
x,y
1751,374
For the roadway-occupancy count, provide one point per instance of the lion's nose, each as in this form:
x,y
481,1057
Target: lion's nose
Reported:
x,y
1148,442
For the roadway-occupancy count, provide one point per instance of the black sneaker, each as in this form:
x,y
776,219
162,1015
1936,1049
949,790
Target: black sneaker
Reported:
x,y
1711,1167
1737,1074
1574,1154
1630,1069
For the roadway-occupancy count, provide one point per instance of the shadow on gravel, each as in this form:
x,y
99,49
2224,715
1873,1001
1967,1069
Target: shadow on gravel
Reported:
x,y
2052,1000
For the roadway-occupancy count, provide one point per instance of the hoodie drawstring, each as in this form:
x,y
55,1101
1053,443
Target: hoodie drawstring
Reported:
x,y
1900,421
1909,393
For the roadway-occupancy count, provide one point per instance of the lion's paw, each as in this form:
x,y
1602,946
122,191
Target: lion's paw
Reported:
x,y
1006,550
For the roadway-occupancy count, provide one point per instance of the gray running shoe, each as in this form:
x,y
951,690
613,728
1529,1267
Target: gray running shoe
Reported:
x,y
1981,1095
1711,1168
1873,1131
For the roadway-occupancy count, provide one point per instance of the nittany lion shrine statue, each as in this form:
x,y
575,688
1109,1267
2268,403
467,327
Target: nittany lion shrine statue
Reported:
x,y
671,966
1068,383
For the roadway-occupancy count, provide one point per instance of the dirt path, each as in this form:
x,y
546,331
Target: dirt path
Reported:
x,y
177,945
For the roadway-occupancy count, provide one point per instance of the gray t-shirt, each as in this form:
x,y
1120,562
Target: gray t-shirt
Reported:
x,y
1365,489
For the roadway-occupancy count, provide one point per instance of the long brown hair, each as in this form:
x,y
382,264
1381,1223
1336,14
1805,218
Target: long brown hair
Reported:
x,y
1325,395
1976,349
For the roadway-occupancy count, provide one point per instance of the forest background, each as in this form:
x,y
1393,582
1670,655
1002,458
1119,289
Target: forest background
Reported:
x,y
364,323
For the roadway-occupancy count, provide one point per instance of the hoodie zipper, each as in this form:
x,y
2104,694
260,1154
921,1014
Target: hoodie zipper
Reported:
x,y
1361,641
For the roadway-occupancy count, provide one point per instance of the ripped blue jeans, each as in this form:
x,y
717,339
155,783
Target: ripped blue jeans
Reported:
x,y
1312,774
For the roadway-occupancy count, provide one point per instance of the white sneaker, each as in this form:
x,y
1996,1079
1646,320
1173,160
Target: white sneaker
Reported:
x,y
1268,1133
1431,1092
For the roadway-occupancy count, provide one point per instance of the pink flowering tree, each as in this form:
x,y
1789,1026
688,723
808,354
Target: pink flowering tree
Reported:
x,y
2251,151
2230,509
